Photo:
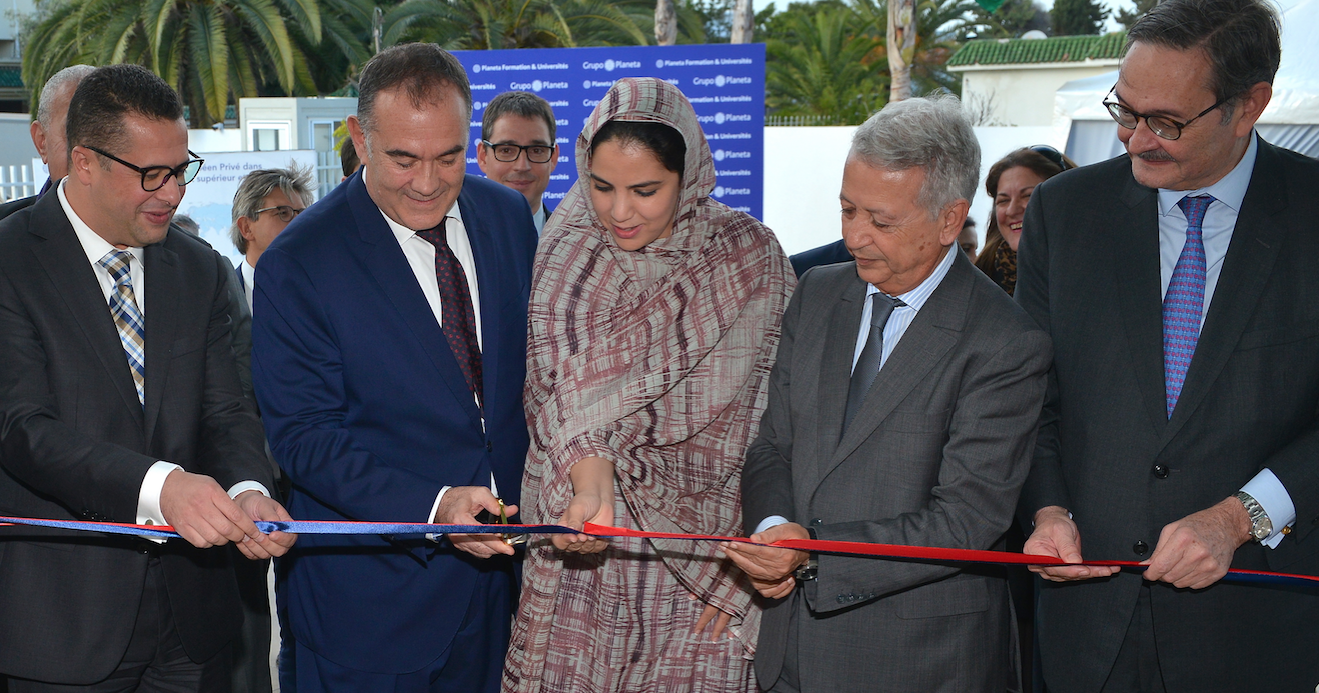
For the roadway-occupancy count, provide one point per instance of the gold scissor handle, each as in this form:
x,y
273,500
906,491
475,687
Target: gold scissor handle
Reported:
x,y
510,539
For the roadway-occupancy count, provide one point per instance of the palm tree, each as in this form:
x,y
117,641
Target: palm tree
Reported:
x,y
825,63
491,24
212,51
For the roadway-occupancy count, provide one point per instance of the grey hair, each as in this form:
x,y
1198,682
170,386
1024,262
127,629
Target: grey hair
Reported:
x,y
932,133
1240,39
68,78
296,182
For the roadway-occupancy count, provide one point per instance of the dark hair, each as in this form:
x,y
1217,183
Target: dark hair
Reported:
x,y
661,140
423,69
1239,37
1027,157
107,95
518,103
348,157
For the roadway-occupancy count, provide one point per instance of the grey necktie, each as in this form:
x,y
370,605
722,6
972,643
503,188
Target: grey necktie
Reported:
x,y
867,365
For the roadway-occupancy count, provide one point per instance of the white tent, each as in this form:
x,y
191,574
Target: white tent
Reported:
x,y
1291,119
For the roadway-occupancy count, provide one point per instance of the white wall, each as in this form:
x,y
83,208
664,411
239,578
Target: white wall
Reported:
x,y
804,171
16,140
1022,96
210,140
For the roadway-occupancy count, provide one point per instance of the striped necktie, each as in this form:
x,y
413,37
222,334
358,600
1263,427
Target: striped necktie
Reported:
x,y
1183,305
127,318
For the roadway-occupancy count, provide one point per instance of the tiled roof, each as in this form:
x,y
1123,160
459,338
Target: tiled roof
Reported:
x,y
1058,49
11,77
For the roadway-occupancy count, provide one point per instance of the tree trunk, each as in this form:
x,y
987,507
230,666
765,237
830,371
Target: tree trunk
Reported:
x,y
901,47
744,22
666,23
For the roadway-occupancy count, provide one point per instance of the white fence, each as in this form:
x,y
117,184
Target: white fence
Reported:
x,y
16,182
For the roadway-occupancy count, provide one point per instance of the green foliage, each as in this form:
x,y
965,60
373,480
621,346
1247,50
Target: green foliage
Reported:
x,y
829,59
1016,17
1127,18
825,63
212,51
1077,17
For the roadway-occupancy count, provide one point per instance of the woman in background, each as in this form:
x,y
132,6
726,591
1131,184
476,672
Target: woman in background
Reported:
x,y
1010,183
654,320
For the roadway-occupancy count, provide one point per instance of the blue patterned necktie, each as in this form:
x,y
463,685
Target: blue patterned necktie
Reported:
x,y
127,318
1183,305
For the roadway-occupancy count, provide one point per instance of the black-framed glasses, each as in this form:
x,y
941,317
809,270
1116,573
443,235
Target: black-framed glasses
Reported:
x,y
155,177
1053,155
509,152
1163,126
284,213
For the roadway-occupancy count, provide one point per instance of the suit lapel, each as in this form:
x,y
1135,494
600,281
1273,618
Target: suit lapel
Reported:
x,y
164,279
927,339
386,263
836,372
65,262
1246,269
1134,233
489,281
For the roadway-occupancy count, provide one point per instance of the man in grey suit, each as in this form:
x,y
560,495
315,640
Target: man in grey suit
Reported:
x,y
1179,286
901,411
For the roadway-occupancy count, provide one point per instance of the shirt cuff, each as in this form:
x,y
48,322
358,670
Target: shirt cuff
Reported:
x,y
148,497
434,509
1277,503
771,521
244,486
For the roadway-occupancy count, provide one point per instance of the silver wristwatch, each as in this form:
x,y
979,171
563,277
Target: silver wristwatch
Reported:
x,y
1260,524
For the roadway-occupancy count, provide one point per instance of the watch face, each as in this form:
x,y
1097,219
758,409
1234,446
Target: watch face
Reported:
x,y
1263,530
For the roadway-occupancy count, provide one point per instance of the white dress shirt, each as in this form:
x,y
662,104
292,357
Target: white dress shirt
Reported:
x,y
148,497
539,217
1219,222
897,325
421,258
249,280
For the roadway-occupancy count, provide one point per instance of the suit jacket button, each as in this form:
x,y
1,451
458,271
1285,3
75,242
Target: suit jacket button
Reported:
x,y
842,599
816,522
489,446
1160,471
1140,548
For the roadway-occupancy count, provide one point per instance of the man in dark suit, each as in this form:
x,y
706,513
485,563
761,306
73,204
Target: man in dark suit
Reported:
x,y
902,410
389,347
518,148
48,130
1178,285
119,401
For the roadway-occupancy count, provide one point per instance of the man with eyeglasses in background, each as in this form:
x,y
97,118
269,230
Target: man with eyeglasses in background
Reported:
x,y
518,148
120,401
266,201
1179,286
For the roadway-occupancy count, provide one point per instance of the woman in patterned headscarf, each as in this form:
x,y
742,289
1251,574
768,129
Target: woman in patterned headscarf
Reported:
x,y
654,320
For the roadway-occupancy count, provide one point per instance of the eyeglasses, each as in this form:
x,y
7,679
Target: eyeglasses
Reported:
x,y
1163,126
284,213
508,152
155,177
1052,155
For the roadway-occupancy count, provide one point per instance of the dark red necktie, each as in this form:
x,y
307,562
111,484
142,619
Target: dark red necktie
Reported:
x,y
459,321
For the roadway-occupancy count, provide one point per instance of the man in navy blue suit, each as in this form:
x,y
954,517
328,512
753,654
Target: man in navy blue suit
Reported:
x,y
389,346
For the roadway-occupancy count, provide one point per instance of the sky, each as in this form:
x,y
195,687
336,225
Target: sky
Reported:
x,y
1113,6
